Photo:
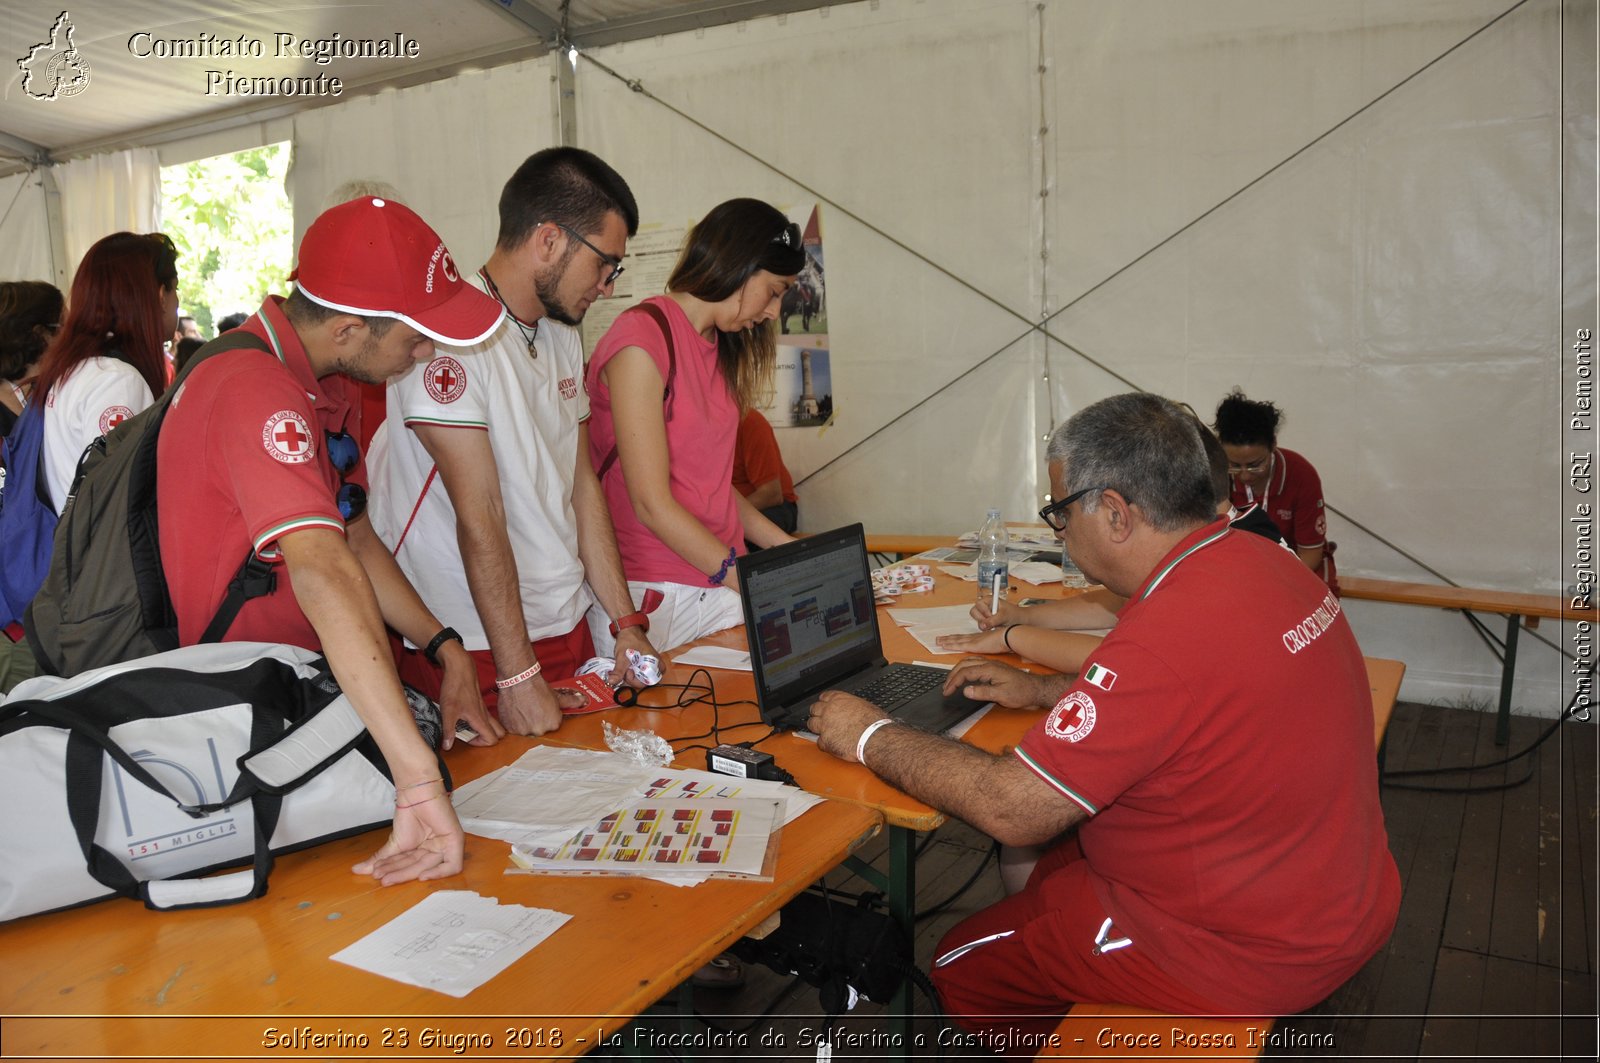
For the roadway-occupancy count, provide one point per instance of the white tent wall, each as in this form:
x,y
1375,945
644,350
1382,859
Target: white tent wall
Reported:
x,y
1350,209
24,230
447,147
115,191
916,119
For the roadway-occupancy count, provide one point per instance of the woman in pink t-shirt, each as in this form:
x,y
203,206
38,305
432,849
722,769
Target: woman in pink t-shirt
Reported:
x,y
665,454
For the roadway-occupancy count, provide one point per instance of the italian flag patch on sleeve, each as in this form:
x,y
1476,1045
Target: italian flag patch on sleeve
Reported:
x,y
1104,678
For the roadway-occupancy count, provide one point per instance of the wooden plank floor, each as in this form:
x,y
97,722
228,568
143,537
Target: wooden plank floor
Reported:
x,y
1493,955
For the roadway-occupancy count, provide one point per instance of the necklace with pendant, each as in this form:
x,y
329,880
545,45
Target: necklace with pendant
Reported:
x,y
529,332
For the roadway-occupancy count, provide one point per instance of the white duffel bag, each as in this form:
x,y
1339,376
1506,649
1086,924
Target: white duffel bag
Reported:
x,y
136,778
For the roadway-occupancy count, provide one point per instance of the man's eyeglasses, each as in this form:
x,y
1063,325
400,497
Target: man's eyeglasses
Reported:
x,y
344,452
1259,465
611,260
1055,514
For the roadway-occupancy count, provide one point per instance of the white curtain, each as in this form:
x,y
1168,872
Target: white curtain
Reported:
x,y
24,230
118,191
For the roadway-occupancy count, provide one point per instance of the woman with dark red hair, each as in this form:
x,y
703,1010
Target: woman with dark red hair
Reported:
x,y
107,362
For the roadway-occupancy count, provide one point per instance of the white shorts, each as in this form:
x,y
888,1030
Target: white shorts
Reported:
x,y
686,613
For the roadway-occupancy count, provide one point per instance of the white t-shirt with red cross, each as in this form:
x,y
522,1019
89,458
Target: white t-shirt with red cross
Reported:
x,y
1221,740
531,404
95,397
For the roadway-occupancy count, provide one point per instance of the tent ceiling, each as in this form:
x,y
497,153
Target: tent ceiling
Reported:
x,y
132,99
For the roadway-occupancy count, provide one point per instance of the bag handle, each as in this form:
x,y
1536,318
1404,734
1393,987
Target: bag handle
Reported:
x,y
660,317
84,770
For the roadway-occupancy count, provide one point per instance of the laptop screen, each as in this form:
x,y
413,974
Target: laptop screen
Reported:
x,y
810,617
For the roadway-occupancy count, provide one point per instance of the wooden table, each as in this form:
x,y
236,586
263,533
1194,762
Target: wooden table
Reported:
x,y
116,980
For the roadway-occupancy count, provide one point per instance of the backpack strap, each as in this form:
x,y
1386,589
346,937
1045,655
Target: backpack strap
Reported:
x,y
256,578
660,318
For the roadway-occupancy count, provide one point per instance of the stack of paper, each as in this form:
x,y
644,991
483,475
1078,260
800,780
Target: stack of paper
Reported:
x,y
549,797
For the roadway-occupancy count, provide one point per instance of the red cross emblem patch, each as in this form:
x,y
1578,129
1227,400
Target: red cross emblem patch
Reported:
x,y
112,416
444,379
1072,718
288,438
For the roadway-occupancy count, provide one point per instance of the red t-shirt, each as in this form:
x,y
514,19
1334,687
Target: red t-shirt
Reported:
x,y
243,460
1292,497
756,459
1221,739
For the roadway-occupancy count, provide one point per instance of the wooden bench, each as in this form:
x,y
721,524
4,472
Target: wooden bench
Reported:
x,y
1517,608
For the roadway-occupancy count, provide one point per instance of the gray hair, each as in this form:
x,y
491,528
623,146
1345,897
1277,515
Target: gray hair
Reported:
x,y
1147,449
361,188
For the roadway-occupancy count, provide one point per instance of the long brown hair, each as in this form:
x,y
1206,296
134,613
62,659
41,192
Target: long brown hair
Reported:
x,y
115,311
729,245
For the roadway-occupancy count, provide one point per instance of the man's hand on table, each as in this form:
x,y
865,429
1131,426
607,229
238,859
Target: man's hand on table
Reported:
x,y
533,708
837,719
984,680
426,841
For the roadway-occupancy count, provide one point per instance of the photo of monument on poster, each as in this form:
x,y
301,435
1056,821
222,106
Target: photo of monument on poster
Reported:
x,y
802,380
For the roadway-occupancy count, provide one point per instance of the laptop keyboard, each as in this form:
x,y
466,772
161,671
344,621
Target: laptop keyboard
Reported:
x,y
899,684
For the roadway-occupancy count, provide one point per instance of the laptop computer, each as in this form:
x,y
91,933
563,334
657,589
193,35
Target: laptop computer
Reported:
x,y
812,626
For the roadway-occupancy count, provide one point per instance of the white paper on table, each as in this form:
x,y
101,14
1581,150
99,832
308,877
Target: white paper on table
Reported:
x,y
546,795
1037,572
551,793
966,572
452,941
912,616
928,634
715,657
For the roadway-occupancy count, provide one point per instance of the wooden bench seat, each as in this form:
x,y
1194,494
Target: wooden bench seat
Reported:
x,y
1518,609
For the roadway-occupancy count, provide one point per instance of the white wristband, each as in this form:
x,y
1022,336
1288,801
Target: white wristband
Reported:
x,y
861,743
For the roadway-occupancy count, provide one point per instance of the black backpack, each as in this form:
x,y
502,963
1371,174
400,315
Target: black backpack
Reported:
x,y
105,598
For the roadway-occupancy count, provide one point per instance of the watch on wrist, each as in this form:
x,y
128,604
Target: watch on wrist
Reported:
x,y
639,620
446,634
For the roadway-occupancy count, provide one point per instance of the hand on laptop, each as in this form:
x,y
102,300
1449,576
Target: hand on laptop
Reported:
x,y
838,719
984,680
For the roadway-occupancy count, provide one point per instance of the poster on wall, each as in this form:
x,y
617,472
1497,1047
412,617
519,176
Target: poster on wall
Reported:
x,y
803,381
651,255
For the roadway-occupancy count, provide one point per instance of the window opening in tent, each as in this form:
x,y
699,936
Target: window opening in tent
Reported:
x,y
230,218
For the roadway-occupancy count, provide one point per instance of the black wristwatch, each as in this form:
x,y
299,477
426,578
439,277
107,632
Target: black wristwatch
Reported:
x,y
445,635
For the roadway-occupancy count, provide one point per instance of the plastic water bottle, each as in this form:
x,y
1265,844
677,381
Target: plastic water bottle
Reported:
x,y
994,571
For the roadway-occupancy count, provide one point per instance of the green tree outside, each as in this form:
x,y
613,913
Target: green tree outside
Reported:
x,y
229,216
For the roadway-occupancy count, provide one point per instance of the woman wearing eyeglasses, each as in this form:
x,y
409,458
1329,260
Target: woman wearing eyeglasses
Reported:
x,y
1283,483
30,315
106,363
668,385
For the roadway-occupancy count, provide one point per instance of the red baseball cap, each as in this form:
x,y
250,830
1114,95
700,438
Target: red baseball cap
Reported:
x,y
377,258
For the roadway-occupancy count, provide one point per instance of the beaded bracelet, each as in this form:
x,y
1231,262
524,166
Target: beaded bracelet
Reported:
x,y
722,573
521,677
1005,636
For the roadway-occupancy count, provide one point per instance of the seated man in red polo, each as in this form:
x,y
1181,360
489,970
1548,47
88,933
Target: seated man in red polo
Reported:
x,y
257,453
760,475
1209,779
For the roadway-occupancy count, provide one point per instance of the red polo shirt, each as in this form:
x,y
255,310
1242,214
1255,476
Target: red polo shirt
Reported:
x,y
1221,740
1292,497
242,461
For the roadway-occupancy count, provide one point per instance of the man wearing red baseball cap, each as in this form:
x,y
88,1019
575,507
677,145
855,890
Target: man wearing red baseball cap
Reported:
x,y
258,456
